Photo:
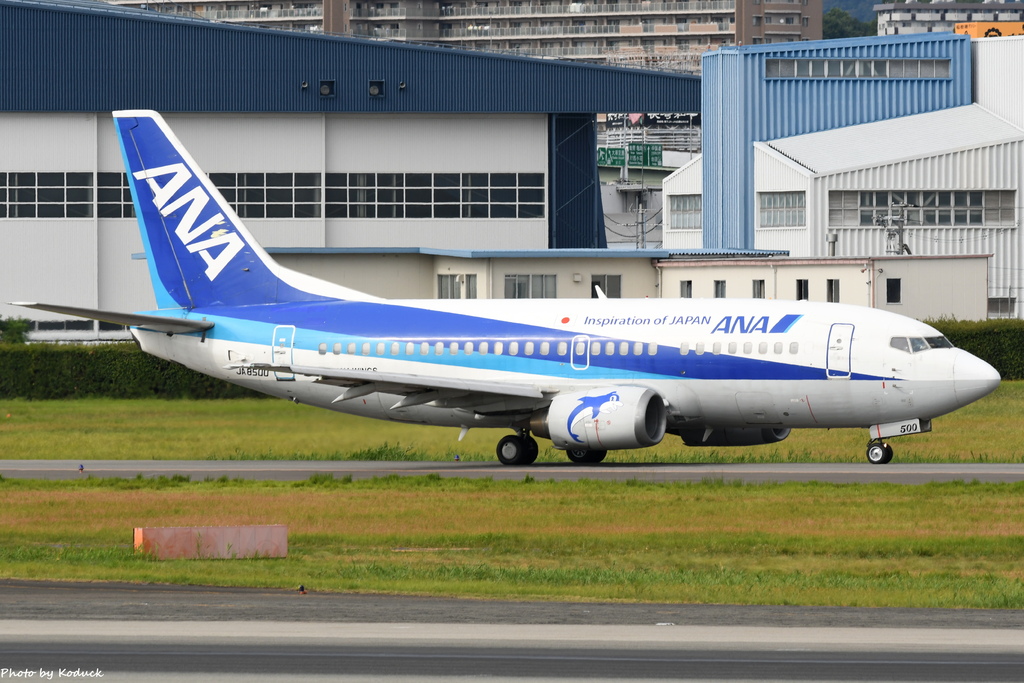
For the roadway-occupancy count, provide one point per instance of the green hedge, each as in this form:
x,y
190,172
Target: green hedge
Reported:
x,y
52,371
1000,342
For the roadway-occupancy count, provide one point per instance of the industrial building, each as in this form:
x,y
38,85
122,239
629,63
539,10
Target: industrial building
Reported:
x,y
899,145
942,17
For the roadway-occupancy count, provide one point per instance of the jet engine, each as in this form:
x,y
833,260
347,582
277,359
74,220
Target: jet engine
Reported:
x,y
736,436
603,419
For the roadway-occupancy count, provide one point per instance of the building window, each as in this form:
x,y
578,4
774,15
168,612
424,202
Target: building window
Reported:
x,y
611,285
719,289
46,195
923,208
113,196
893,290
832,291
856,68
782,209
758,289
686,289
803,290
684,212
435,195
461,286
530,287
271,195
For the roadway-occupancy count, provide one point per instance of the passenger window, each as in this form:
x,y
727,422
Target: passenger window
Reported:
x,y
917,344
499,347
652,349
684,348
322,348
609,348
794,348
700,348
638,348
528,348
366,348
483,348
595,348
900,343
762,348
438,348
351,348
748,348
545,348
716,348
623,348
732,348
581,348
395,348
778,348
410,348
469,348
453,348
562,348
380,348
513,348
424,348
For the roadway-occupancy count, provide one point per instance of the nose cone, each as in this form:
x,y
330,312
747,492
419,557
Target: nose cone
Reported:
x,y
972,378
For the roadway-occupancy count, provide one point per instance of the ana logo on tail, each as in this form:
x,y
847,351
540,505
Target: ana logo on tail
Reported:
x,y
187,231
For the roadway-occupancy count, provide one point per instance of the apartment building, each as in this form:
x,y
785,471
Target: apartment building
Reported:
x,y
671,35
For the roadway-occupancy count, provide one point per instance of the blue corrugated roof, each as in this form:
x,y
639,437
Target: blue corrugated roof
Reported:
x,y
78,55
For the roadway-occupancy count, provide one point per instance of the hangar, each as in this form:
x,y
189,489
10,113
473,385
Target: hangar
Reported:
x,y
321,143
881,146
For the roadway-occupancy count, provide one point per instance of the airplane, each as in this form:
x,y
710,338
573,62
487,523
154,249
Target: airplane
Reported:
x,y
591,375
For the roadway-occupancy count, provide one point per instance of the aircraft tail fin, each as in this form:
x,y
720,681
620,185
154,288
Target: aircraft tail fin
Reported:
x,y
199,251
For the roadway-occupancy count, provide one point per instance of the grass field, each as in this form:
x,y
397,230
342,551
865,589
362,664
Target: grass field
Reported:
x,y
942,545
986,431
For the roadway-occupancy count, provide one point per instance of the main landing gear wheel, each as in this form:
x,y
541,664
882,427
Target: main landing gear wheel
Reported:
x,y
517,450
879,453
586,457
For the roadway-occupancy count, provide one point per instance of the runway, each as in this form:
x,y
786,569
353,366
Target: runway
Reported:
x,y
292,470
167,633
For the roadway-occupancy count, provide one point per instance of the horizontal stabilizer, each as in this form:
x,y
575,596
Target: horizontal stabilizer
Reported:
x,y
151,322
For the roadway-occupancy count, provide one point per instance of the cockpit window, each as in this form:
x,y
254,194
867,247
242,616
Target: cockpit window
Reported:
x,y
900,343
918,344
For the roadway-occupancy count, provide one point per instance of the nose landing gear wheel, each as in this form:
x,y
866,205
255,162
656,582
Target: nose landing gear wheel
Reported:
x,y
879,453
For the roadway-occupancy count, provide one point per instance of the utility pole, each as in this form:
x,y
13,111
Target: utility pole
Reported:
x,y
894,225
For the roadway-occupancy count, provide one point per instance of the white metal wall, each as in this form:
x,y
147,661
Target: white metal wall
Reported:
x,y
775,173
87,262
998,71
687,180
990,168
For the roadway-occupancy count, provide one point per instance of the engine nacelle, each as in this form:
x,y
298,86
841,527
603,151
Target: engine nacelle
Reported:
x,y
603,419
737,436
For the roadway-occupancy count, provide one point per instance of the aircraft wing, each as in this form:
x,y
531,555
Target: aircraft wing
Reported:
x,y
416,389
150,322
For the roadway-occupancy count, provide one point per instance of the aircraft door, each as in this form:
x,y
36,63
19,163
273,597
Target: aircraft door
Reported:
x,y
840,341
579,356
282,348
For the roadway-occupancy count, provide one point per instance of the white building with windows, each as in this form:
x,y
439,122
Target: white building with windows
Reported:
x,y
941,183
